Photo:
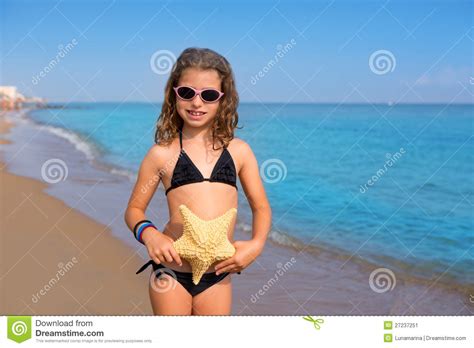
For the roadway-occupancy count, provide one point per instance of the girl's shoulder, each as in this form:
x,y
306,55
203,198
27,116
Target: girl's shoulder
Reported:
x,y
240,144
240,151
237,144
159,154
160,150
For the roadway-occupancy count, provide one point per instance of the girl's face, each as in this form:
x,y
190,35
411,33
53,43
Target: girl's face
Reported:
x,y
198,79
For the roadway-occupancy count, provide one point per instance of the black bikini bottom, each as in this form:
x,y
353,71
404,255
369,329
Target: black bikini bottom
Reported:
x,y
186,278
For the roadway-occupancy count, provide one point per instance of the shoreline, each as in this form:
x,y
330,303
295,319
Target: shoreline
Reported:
x,y
276,254
52,249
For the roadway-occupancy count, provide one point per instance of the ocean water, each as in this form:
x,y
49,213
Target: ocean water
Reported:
x,y
392,185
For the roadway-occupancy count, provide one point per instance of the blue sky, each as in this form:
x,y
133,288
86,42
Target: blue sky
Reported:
x,y
428,46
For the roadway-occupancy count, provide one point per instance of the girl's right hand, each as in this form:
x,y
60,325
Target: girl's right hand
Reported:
x,y
160,246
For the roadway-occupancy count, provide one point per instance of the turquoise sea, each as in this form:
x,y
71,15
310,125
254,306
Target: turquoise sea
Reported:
x,y
389,184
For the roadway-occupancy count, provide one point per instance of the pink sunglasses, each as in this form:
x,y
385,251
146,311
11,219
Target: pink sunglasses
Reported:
x,y
208,95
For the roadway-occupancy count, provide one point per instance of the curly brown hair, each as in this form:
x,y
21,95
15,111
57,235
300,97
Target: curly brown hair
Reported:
x,y
169,122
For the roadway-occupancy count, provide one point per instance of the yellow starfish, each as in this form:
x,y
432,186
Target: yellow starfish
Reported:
x,y
204,241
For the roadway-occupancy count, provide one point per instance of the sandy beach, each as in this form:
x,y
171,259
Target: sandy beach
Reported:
x,y
58,260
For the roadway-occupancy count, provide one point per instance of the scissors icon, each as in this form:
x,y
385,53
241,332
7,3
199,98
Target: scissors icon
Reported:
x,y
315,322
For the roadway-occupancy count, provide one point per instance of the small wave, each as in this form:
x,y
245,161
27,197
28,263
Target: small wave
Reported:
x,y
285,240
279,238
90,150
244,227
81,145
123,172
417,272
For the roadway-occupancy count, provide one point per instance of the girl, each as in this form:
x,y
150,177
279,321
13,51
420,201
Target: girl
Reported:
x,y
198,160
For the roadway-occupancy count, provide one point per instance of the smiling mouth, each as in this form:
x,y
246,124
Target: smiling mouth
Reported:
x,y
195,113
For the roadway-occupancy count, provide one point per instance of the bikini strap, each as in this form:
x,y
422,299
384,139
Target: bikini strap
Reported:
x,y
144,266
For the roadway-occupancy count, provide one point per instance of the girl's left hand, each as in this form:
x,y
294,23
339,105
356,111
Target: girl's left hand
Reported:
x,y
246,251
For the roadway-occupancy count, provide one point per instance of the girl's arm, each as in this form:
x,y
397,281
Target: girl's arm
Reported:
x,y
147,182
248,251
160,247
249,176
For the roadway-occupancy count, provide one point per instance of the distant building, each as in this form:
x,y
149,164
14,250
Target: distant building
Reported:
x,y
8,95
11,99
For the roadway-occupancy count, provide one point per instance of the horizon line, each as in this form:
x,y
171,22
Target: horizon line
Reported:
x,y
269,102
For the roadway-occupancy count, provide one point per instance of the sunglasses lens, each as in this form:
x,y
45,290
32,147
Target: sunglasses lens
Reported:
x,y
210,95
186,92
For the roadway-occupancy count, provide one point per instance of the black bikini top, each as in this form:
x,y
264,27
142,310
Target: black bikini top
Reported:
x,y
185,172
